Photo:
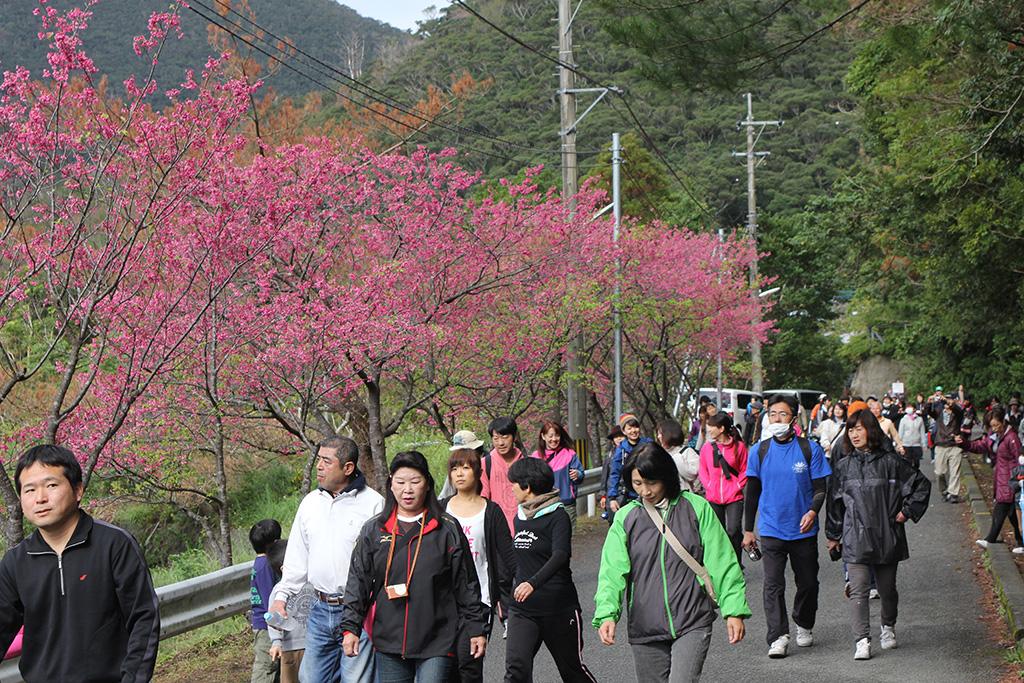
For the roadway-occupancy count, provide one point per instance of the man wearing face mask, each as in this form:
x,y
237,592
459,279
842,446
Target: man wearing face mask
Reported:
x,y
786,480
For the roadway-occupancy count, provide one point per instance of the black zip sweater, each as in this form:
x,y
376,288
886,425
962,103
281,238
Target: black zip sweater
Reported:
x,y
90,614
501,561
444,590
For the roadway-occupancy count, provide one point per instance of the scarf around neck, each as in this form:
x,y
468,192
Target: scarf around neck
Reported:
x,y
531,507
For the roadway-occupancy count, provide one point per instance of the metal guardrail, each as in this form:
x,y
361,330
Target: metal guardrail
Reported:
x,y
193,603
186,605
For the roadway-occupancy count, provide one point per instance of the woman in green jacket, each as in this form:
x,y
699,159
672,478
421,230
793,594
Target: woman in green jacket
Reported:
x,y
671,610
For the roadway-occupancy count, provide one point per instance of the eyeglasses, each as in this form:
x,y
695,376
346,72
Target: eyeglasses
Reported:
x,y
782,415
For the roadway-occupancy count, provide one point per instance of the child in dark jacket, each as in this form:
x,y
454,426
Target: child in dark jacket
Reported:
x,y
262,536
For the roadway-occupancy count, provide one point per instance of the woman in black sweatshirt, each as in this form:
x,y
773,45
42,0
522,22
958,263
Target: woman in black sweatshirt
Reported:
x,y
412,561
545,607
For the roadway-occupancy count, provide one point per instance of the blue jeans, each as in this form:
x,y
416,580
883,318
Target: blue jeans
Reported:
x,y
324,661
395,669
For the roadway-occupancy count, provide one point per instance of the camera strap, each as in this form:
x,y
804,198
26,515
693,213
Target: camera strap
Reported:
x,y
415,557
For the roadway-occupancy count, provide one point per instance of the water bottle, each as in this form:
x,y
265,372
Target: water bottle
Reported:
x,y
280,622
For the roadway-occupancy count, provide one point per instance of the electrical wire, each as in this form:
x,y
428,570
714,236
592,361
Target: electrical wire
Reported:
x,y
636,123
337,92
364,89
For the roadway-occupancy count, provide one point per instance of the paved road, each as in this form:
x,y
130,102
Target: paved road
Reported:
x,y
940,635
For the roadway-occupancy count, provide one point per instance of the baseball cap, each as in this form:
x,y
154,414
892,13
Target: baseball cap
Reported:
x,y
465,439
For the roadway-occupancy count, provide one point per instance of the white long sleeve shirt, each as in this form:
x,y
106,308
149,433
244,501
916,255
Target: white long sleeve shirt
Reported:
x,y
322,538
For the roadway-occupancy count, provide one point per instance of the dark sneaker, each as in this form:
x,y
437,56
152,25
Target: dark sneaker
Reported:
x,y
953,499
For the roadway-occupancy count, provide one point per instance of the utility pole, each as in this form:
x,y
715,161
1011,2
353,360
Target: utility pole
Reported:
x,y
718,385
752,157
617,204
576,397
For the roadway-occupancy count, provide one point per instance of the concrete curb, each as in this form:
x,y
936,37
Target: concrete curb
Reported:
x,y
1006,576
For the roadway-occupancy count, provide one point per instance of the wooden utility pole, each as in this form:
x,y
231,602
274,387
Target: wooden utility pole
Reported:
x,y
752,157
576,396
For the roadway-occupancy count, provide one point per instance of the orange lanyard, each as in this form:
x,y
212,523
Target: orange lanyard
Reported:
x,y
416,556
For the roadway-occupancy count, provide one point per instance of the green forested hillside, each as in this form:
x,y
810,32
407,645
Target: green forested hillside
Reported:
x,y
323,27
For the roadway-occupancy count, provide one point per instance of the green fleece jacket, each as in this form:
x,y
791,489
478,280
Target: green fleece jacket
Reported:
x,y
665,598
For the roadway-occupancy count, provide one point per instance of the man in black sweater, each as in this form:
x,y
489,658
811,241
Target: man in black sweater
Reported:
x,y
545,605
79,586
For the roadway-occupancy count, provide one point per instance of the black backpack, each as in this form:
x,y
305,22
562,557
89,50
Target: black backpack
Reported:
x,y
805,447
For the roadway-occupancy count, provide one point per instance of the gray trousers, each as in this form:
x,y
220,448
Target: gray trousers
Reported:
x,y
948,460
672,661
860,586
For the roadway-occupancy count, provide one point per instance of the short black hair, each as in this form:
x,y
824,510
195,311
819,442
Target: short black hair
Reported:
x,y
654,464
506,426
533,474
263,534
51,456
275,554
671,433
789,400
348,450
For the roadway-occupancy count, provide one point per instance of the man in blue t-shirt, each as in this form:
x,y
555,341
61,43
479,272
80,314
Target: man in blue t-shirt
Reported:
x,y
789,488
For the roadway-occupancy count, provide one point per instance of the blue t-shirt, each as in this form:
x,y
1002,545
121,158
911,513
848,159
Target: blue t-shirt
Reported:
x,y
786,488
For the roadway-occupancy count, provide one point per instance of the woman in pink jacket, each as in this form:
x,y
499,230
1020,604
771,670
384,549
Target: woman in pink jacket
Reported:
x,y
723,472
1003,446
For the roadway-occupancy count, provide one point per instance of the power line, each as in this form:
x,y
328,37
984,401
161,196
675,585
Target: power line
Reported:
x,y
349,81
340,94
636,123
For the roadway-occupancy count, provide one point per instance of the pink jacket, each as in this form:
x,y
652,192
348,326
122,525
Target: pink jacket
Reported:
x,y
1005,457
15,649
718,489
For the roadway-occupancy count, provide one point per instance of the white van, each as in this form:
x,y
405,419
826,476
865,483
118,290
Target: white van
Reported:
x,y
807,398
734,402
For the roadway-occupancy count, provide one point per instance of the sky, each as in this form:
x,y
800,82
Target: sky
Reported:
x,y
399,13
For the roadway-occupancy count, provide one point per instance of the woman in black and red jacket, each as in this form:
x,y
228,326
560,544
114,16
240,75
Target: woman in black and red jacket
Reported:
x,y
413,563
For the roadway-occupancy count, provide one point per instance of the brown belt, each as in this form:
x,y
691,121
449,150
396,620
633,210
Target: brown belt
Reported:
x,y
330,599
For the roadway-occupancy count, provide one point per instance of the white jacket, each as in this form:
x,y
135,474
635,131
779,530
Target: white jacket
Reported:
x,y
912,431
827,432
687,462
322,538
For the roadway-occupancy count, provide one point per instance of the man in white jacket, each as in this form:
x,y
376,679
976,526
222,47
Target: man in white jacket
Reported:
x,y
320,545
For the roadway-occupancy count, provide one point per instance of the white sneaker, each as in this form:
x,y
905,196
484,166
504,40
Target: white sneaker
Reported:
x,y
983,543
1019,550
863,650
873,595
779,648
804,637
888,638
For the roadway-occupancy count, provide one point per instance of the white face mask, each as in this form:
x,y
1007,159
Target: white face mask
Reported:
x,y
909,411
1020,459
779,430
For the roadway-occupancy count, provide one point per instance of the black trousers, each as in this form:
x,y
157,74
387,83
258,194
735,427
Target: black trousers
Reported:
x,y
803,558
1000,513
562,634
731,517
465,669
913,455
